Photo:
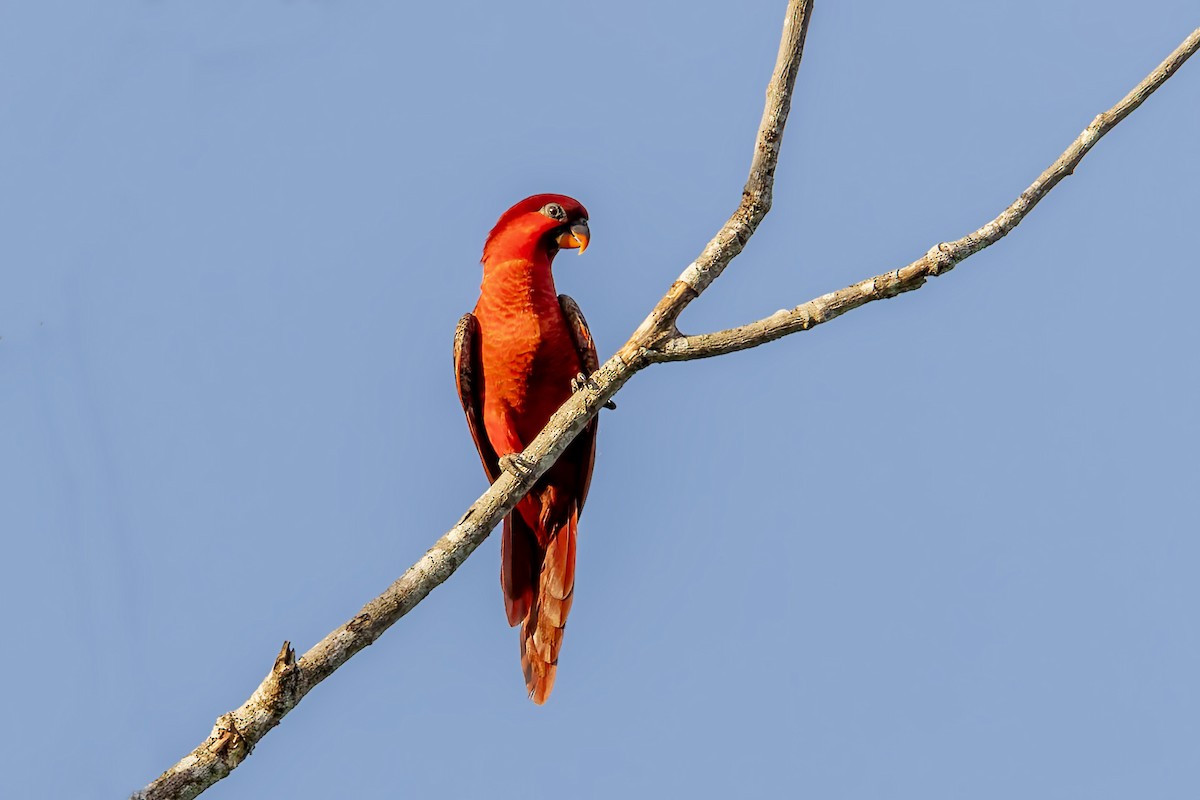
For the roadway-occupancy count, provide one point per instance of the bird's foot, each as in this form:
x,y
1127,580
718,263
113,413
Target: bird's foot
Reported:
x,y
516,464
583,381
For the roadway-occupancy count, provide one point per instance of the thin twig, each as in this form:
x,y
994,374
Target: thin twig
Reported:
x,y
940,259
756,196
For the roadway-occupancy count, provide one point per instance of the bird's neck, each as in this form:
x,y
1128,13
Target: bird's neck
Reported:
x,y
520,275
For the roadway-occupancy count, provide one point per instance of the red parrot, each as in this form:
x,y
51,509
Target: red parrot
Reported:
x,y
517,358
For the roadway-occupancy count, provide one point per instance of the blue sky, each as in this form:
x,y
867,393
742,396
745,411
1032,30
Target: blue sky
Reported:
x,y
943,547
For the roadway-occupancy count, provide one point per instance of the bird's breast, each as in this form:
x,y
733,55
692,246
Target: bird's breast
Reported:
x,y
527,354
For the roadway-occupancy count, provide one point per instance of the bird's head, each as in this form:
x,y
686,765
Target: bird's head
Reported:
x,y
538,226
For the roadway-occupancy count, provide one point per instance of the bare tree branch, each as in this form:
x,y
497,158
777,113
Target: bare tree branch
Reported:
x,y
656,339
940,259
756,196
235,734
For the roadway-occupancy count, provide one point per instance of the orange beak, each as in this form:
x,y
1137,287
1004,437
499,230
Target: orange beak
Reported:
x,y
578,236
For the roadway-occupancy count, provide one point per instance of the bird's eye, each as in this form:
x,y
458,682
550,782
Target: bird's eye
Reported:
x,y
554,211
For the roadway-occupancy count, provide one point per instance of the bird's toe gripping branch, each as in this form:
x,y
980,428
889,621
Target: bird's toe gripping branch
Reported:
x,y
517,465
584,381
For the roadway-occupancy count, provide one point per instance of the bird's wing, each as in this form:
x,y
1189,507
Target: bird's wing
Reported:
x,y
468,375
580,334
584,446
517,564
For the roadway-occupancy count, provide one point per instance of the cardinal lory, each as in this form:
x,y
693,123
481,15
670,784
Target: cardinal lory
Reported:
x,y
517,358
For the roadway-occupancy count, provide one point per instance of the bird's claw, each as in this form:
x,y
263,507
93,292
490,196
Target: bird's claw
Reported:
x,y
583,381
516,464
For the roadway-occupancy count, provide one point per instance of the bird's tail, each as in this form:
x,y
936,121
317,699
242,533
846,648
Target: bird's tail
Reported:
x,y
542,631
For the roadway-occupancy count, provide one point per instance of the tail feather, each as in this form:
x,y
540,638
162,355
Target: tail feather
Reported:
x,y
542,633
518,565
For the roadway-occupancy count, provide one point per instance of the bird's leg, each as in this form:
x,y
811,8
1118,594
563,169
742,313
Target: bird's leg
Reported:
x,y
516,464
584,381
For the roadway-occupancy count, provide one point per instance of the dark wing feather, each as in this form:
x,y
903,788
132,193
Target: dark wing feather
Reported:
x,y
580,334
518,543
584,445
468,375
520,561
